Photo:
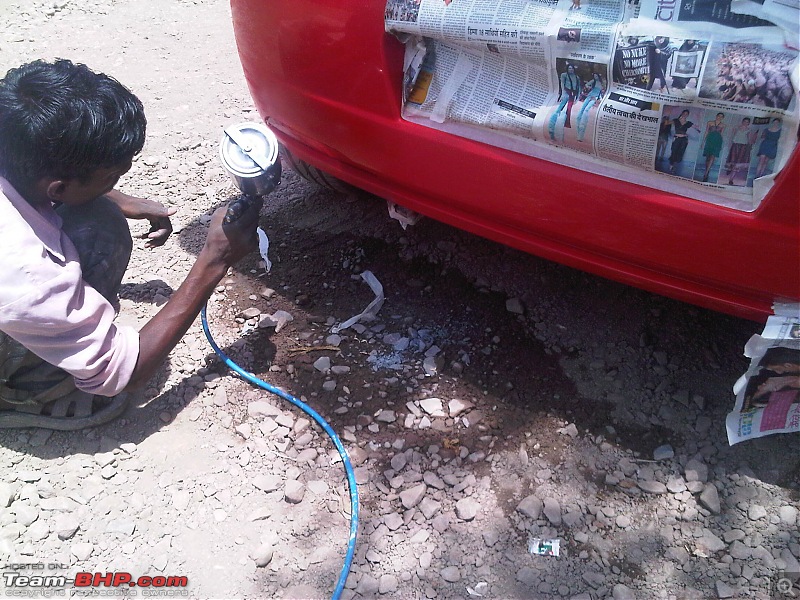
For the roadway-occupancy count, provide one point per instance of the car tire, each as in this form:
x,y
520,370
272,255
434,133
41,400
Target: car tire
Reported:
x,y
314,175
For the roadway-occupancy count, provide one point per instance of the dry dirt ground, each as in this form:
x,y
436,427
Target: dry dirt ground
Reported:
x,y
495,399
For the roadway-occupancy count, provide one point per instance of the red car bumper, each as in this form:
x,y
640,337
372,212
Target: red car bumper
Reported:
x,y
327,79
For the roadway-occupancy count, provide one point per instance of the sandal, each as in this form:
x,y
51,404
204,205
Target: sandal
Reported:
x,y
76,410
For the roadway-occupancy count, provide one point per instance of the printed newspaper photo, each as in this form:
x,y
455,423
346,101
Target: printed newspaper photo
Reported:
x,y
768,395
696,99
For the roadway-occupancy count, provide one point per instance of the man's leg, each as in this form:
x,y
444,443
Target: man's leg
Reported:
x,y
100,233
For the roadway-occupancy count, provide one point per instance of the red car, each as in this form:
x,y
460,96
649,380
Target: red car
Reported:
x,y
327,78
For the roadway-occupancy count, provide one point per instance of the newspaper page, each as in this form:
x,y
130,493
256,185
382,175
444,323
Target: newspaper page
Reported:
x,y
694,100
768,395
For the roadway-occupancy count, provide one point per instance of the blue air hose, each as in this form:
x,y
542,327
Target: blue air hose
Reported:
x,y
348,467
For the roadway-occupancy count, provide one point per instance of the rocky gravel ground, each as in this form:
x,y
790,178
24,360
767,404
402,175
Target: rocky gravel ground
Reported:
x,y
496,402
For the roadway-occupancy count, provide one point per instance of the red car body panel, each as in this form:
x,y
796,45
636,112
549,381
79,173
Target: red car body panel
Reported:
x,y
326,77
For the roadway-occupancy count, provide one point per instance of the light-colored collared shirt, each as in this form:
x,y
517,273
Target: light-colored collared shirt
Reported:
x,y
47,307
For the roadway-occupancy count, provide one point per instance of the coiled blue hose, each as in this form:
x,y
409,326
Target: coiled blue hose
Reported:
x,y
348,467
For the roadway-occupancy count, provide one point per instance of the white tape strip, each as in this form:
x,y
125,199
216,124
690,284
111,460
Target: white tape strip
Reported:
x,y
263,248
460,73
373,307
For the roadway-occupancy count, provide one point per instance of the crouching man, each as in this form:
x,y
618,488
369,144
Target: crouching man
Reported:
x,y
67,134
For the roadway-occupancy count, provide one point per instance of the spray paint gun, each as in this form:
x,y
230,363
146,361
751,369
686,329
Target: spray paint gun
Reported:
x,y
249,153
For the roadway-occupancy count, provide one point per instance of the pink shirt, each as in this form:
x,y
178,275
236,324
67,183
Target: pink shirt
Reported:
x,y
47,307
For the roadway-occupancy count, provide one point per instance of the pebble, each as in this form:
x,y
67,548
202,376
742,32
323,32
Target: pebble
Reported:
x,y
570,430
121,526
787,514
528,576
652,487
368,586
724,590
739,551
323,364
386,416
262,555
250,313
710,498
552,510
710,543
732,535
456,407
676,485
433,480
66,526
622,592
429,507
432,406
398,462
467,509
25,514
393,521
515,306
82,550
531,506
451,574
756,512
40,438
413,496
664,452
268,483
7,495
388,584
696,470
594,578
317,486
262,408
294,491
38,531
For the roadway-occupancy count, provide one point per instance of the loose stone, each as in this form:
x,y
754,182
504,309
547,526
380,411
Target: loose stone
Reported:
x,y
451,574
467,509
412,496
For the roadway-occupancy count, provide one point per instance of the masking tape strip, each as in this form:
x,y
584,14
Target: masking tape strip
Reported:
x,y
460,73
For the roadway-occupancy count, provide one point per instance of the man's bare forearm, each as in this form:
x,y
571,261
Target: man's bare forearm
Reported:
x,y
162,333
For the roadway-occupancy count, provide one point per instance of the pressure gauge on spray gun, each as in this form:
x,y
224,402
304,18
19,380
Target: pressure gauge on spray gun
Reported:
x,y
249,153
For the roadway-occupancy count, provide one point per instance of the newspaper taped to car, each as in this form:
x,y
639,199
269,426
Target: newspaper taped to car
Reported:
x,y
768,395
695,99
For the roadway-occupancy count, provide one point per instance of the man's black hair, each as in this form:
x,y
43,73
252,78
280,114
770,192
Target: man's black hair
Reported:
x,y
65,121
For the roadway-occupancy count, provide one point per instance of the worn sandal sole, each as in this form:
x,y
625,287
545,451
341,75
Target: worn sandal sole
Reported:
x,y
81,409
